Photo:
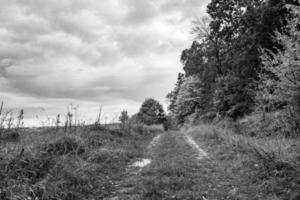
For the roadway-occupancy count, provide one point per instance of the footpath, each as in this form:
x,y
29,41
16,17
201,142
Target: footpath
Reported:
x,y
175,167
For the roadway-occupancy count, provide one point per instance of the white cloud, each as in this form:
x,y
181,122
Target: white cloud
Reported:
x,y
91,52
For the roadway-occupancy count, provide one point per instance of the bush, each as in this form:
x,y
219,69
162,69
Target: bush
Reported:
x,y
142,129
28,168
271,124
20,173
108,156
64,145
95,141
63,182
10,136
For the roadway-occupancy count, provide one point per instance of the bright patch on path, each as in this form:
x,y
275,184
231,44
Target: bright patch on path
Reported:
x,y
142,163
190,141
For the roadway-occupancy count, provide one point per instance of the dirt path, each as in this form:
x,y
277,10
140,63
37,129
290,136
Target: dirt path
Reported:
x,y
178,168
127,184
201,153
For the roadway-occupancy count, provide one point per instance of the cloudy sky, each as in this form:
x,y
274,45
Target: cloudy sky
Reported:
x,y
113,53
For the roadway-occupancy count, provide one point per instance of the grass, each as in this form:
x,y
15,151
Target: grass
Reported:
x,y
82,163
176,173
95,162
259,167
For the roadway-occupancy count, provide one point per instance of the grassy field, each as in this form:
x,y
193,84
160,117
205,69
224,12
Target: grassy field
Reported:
x,y
99,163
85,163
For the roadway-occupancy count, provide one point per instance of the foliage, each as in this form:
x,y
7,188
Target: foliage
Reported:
x,y
172,96
63,146
232,97
151,112
225,57
189,98
280,81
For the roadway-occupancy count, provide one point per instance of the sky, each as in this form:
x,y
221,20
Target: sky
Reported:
x,y
57,54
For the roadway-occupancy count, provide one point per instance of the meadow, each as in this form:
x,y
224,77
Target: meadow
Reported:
x,y
78,163
205,161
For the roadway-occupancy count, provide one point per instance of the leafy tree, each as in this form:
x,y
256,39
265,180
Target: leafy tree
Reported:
x,y
189,98
232,97
280,79
226,56
172,96
151,112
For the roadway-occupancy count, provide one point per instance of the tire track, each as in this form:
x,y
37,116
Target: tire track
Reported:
x,y
200,152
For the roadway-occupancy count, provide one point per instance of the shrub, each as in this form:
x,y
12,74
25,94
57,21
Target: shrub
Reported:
x,y
10,136
95,141
270,124
28,168
108,156
66,180
280,78
64,145
142,129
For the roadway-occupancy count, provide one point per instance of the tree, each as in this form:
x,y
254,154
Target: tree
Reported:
x,y
280,78
224,61
172,96
243,27
123,118
188,99
232,97
151,112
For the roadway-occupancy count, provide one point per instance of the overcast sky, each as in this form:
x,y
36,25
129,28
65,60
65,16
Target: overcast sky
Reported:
x,y
91,52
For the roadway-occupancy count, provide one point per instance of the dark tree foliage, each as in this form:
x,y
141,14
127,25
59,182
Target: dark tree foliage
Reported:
x,y
227,58
151,112
194,59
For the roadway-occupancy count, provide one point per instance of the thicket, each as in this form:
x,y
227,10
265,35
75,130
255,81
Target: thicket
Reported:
x,y
244,60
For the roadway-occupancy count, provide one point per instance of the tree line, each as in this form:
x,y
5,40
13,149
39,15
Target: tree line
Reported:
x,y
244,60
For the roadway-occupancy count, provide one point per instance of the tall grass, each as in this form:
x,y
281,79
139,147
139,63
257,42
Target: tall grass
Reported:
x,y
271,162
67,162
277,148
